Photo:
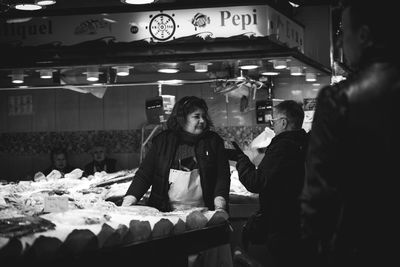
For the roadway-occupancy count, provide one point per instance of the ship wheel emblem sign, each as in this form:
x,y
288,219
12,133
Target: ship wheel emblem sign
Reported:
x,y
162,27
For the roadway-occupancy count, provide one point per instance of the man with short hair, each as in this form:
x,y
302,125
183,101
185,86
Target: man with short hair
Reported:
x,y
279,180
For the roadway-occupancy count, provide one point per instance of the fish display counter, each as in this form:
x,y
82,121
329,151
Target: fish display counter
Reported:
x,y
78,219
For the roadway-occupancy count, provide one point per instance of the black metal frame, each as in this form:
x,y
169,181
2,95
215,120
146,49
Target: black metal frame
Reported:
x,y
167,251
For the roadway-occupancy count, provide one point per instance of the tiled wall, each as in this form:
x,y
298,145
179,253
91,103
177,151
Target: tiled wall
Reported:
x,y
121,141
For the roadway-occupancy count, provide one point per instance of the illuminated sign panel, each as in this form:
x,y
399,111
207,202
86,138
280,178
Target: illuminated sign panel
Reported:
x,y
156,26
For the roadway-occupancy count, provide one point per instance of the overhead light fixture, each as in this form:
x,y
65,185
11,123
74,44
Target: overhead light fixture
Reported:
x,y
293,4
46,73
311,77
45,2
201,66
279,64
268,71
137,2
122,70
92,74
249,64
18,20
168,68
249,67
296,71
17,76
27,6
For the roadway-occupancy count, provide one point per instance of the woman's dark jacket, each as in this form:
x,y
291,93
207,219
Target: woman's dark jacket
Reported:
x,y
278,179
352,168
154,170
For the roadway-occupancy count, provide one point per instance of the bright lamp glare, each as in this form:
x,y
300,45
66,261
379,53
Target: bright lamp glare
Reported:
x,y
200,67
123,70
27,7
311,77
270,73
17,81
249,67
92,77
45,2
295,71
280,64
168,70
17,76
137,2
46,74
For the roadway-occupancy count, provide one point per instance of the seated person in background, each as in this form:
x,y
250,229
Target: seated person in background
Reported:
x,y
100,161
59,162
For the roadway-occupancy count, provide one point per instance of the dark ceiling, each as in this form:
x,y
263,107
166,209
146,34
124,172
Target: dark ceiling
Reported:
x,y
94,6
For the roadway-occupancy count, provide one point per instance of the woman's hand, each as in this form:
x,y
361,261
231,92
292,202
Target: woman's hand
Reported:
x,y
128,201
219,203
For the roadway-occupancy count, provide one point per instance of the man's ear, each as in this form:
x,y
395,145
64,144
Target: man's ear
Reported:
x,y
365,36
285,123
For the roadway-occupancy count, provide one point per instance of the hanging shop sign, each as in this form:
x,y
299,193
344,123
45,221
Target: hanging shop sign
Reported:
x,y
156,27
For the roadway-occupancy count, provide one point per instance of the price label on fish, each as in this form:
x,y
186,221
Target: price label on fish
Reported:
x,y
55,204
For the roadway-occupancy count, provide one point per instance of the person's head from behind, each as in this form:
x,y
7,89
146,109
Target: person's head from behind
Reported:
x,y
288,115
59,158
98,152
363,29
190,114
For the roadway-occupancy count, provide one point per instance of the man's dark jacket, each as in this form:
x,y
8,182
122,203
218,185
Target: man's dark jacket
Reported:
x,y
278,179
352,171
154,170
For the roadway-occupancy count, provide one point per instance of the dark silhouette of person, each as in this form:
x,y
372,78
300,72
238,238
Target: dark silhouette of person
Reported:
x,y
351,190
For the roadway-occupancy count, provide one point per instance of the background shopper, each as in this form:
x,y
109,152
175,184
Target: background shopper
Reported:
x,y
279,179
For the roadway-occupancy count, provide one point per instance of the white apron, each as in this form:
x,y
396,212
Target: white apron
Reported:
x,y
184,193
185,189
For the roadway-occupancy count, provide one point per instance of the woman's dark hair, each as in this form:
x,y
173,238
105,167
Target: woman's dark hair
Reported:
x,y
184,107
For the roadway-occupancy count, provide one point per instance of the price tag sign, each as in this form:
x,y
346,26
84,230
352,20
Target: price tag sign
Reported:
x,y
55,204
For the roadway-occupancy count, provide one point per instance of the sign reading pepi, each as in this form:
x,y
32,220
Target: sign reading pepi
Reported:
x,y
156,26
